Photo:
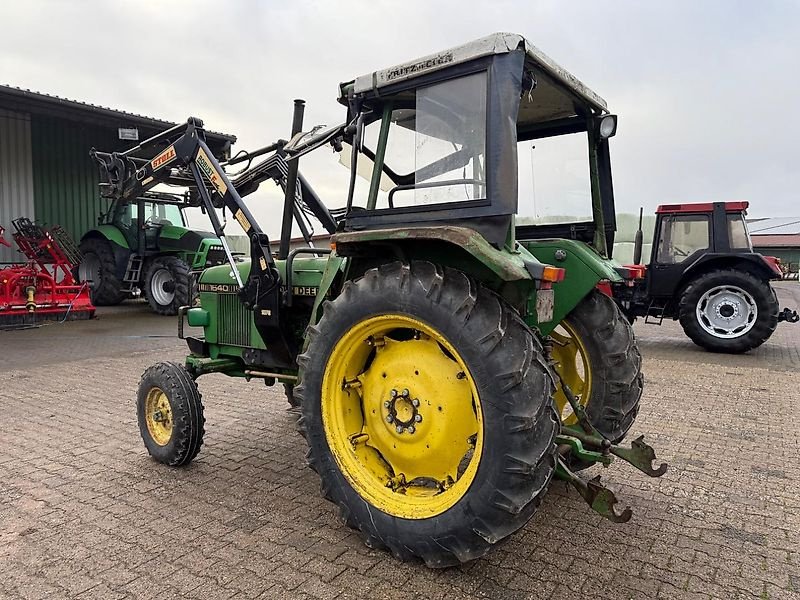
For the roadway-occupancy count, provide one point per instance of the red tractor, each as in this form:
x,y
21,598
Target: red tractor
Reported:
x,y
704,273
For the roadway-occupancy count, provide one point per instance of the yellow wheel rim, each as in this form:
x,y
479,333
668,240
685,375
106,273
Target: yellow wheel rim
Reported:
x,y
158,416
402,416
572,364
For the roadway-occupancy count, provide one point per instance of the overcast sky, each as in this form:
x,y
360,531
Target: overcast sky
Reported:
x,y
705,91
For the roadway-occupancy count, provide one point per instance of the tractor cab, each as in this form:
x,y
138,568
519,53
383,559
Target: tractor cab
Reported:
x,y
689,236
149,215
437,140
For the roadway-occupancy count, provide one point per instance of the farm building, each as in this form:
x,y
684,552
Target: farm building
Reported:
x,y
46,173
778,236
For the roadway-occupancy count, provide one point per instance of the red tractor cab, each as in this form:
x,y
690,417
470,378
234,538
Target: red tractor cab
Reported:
x,y
703,272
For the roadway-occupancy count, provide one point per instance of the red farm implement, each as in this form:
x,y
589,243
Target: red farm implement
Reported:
x,y
44,287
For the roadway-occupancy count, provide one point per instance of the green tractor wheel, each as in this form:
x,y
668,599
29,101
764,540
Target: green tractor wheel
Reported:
x,y
98,269
595,354
427,407
170,414
167,285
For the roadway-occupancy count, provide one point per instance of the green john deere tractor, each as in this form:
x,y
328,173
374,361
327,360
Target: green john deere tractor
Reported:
x,y
145,245
447,364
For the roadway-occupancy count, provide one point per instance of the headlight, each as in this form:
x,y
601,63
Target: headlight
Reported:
x,y
608,126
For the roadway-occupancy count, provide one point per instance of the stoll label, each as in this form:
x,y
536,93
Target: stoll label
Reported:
x,y
163,158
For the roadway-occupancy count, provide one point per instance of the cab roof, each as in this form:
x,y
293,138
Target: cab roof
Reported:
x,y
495,44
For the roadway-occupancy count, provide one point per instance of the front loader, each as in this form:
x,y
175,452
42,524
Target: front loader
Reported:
x,y
445,371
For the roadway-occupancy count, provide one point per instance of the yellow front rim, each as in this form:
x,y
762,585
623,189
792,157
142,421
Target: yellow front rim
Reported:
x,y
402,416
572,364
158,416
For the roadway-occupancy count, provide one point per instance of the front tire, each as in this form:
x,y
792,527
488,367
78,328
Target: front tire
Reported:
x,y
169,409
167,285
427,407
595,353
728,311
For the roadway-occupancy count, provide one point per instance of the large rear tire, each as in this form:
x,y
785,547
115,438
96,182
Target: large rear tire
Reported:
x,y
729,311
595,353
167,285
427,407
98,268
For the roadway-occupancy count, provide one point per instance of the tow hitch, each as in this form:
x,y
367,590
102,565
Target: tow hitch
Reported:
x,y
583,442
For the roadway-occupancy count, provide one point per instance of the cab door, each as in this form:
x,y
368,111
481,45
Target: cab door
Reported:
x,y
681,239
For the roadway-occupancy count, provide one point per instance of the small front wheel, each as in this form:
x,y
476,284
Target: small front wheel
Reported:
x,y
170,414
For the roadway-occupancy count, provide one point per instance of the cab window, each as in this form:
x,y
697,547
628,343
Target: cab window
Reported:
x,y
737,233
155,213
436,144
681,236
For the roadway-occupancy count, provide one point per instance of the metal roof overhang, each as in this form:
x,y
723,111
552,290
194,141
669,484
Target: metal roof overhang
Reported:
x,y
20,100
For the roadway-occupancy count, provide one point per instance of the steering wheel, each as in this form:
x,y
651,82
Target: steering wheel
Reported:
x,y
680,252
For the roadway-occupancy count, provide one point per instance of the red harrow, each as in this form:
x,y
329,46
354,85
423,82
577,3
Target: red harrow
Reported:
x,y
45,286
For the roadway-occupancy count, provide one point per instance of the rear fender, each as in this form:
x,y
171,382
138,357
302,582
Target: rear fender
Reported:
x,y
752,262
109,232
512,274
118,243
585,269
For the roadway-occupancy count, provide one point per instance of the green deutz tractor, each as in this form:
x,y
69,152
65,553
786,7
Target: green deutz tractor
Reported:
x,y
145,245
447,364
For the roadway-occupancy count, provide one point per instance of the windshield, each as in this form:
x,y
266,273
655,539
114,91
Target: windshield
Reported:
x,y
154,213
435,145
554,181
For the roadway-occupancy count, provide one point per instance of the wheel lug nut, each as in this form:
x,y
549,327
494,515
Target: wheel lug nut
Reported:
x,y
387,404
399,429
393,393
389,418
405,393
415,402
411,429
418,418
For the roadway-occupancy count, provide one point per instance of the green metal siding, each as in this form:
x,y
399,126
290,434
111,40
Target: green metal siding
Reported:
x,y
789,256
64,177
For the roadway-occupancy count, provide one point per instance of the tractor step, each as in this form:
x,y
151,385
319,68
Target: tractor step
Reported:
x,y
133,273
655,315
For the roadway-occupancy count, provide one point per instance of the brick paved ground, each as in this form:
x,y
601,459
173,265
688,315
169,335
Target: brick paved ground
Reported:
x,y
84,513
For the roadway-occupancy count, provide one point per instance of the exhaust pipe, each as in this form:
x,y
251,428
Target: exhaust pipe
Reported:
x,y
638,240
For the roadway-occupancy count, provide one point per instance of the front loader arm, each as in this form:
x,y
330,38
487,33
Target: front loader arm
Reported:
x,y
127,177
